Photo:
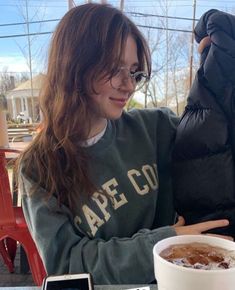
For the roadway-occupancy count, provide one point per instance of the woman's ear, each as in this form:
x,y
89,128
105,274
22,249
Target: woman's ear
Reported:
x,y
206,41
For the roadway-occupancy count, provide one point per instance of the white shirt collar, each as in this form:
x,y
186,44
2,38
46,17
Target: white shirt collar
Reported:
x,y
91,141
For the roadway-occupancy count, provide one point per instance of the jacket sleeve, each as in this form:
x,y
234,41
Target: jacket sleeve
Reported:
x,y
218,70
66,250
203,167
211,100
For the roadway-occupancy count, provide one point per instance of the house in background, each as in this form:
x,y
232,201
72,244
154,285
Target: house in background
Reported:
x,y
23,102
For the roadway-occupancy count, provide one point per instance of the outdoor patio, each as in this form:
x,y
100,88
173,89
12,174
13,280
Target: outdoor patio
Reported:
x,y
14,279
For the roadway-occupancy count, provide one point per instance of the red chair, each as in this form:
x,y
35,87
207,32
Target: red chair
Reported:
x,y
13,227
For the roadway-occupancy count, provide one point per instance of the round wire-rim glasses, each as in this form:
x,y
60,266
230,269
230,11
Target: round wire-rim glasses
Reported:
x,y
120,78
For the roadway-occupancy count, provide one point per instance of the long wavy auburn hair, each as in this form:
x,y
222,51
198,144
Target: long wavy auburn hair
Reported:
x,y
86,46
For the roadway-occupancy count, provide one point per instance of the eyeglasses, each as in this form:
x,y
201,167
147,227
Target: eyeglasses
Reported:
x,y
121,76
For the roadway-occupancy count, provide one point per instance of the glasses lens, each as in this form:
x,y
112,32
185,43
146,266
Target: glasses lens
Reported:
x,y
117,79
139,79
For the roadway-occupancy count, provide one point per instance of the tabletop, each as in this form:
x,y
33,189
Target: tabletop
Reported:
x,y
16,148
96,287
19,145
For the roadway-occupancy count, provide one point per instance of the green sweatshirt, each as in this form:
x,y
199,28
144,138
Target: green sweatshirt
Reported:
x,y
112,238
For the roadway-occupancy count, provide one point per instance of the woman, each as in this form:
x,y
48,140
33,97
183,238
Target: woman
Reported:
x,y
96,180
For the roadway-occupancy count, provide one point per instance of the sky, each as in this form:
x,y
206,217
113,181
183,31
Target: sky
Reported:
x,y
14,50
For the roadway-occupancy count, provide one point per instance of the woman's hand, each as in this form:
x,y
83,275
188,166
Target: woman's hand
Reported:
x,y
200,228
206,41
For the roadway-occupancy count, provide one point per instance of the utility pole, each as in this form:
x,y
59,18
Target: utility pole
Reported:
x,y
192,46
122,5
167,57
30,59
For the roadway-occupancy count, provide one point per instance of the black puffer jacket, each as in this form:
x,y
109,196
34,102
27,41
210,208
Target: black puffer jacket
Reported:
x,y
204,153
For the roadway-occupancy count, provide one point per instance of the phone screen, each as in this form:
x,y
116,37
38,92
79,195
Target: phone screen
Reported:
x,y
75,284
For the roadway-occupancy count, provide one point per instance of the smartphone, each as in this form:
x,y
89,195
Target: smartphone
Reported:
x,y
68,282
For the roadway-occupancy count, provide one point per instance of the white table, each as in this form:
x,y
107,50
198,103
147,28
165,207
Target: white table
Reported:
x,y
97,287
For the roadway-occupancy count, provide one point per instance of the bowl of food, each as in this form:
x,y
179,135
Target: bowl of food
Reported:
x,y
194,262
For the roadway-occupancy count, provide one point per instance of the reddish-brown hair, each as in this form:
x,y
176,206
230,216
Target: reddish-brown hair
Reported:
x,y
87,44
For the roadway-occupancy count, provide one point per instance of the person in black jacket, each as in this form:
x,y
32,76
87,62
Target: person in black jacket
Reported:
x,y
204,153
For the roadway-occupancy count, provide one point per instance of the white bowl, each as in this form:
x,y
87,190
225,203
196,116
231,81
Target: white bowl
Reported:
x,y
173,277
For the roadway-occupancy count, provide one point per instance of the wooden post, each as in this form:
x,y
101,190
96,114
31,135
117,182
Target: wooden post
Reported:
x,y
70,4
3,129
122,5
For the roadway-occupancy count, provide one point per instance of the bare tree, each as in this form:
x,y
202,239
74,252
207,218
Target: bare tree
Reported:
x,y
26,49
178,69
6,81
156,40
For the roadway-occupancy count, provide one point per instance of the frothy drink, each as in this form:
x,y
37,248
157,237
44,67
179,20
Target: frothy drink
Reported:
x,y
199,256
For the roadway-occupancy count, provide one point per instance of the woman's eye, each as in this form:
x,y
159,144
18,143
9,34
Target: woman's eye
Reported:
x,y
139,77
133,72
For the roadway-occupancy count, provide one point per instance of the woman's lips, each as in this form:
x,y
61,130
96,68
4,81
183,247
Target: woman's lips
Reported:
x,y
119,101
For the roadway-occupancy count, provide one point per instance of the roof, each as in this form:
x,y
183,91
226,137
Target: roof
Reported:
x,y
37,83
24,89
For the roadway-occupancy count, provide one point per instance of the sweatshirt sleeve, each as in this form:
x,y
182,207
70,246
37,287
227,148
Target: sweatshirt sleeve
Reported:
x,y
65,250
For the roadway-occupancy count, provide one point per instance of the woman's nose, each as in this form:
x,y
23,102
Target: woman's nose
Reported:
x,y
128,84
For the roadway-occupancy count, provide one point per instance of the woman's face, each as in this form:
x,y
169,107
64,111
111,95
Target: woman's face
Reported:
x,y
109,102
